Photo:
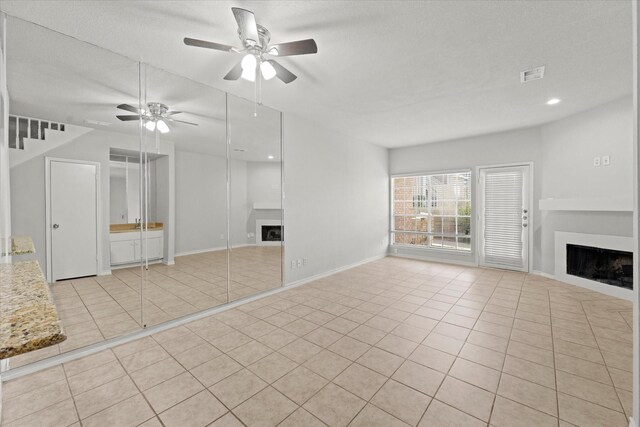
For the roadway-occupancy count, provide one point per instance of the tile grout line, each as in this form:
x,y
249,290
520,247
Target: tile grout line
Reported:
x,y
613,384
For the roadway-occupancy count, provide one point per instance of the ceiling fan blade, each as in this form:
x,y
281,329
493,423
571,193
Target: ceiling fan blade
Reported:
x,y
235,72
300,47
207,45
171,113
181,121
282,73
247,25
128,107
128,118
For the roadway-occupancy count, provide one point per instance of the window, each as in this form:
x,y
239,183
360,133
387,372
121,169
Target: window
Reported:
x,y
432,211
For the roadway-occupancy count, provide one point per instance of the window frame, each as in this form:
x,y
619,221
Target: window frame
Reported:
x,y
472,222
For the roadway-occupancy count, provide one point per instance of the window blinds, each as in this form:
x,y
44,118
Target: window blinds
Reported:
x,y
503,210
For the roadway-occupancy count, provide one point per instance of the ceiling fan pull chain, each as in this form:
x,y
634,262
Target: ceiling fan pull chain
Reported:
x,y
259,76
157,141
255,97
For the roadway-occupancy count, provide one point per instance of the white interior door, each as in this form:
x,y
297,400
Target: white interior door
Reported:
x,y
503,217
74,225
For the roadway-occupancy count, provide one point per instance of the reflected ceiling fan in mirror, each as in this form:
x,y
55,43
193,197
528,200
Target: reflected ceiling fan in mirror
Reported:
x,y
156,116
255,40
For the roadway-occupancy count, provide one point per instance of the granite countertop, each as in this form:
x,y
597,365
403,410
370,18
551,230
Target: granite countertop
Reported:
x,y
128,228
28,316
20,245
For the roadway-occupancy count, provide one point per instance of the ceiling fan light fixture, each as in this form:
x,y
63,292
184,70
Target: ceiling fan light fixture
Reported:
x,y
162,126
150,125
267,70
249,67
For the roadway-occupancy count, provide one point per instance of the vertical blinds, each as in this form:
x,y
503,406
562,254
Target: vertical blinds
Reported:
x,y
503,231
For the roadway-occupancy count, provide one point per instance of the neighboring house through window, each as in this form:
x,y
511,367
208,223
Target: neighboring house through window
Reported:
x,y
432,211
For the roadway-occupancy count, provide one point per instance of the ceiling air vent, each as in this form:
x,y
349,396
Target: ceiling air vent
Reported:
x,y
532,74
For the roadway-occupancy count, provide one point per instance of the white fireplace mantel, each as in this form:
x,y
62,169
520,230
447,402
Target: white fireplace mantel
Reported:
x,y
613,204
267,206
619,243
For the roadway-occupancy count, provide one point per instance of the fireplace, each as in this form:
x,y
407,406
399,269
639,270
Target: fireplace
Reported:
x,y
268,232
271,233
603,265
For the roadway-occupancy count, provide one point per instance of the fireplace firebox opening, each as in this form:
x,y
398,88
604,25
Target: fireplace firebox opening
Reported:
x,y
271,233
608,266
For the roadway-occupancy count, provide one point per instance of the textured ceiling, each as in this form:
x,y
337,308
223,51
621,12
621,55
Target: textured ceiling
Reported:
x,y
394,73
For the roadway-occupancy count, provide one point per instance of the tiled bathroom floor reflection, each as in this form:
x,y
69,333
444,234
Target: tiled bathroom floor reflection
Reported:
x,y
392,343
97,308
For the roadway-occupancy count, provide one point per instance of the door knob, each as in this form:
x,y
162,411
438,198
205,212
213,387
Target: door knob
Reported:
x,y
56,226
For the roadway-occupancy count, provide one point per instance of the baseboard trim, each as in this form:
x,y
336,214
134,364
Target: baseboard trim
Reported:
x,y
543,274
433,259
217,248
134,264
104,345
333,271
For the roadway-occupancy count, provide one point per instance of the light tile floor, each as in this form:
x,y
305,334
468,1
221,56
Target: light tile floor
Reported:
x,y
392,343
94,309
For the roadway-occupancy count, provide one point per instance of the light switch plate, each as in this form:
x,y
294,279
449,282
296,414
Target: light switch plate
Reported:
x,y
606,161
596,161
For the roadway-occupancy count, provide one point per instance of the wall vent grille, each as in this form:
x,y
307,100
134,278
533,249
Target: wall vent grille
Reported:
x,y
532,74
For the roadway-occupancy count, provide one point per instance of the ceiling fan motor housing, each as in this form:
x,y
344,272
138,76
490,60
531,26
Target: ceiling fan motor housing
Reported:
x,y
157,109
261,47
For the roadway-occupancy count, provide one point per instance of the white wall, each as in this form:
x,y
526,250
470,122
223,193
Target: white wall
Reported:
x,y
568,149
562,154
239,204
521,145
336,199
201,200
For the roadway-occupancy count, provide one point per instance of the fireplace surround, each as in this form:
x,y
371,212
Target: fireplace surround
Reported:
x,y
597,262
268,232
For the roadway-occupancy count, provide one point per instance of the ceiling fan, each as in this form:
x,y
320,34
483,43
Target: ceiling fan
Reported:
x,y
255,40
155,116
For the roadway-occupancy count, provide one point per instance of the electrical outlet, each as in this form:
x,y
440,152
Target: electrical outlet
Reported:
x,y
299,263
606,161
293,264
596,161
304,261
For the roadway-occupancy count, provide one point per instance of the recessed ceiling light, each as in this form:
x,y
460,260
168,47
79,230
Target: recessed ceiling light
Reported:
x,y
270,157
553,101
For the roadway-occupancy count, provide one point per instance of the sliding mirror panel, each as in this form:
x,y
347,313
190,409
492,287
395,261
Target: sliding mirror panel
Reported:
x,y
184,199
63,135
5,208
255,182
